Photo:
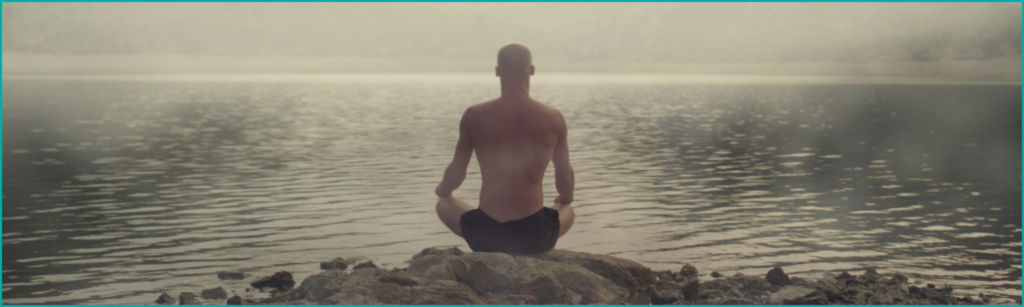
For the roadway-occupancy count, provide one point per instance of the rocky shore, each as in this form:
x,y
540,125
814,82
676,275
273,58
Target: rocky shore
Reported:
x,y
450,276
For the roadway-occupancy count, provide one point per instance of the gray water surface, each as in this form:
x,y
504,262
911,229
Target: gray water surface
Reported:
x,y
116,189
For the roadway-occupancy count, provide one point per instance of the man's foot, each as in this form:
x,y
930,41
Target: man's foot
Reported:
x,y
565,218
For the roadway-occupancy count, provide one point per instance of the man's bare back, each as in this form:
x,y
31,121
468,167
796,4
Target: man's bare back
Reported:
x,y
515,137
514,140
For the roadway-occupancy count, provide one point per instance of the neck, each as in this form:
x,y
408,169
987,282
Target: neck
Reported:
x,y
515,87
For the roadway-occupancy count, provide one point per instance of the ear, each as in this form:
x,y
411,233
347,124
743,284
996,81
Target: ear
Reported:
x,y
497,73
531,70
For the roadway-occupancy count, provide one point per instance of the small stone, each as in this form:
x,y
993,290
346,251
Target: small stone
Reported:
x,y
236,300
365,265
845,275
165,299
281,280
870,272
217,293
336,264
690,288
189,298
663,275
913,290
931,286
231,275
688,271
898,279
716,274
666,293
777,277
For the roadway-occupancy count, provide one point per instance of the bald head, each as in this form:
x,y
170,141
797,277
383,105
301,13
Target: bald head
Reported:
x,y
514,60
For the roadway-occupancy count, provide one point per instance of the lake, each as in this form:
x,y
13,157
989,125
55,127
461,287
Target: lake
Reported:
x,y
117,188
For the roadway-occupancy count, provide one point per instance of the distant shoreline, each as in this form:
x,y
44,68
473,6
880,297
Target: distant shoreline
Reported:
x,y
1003,69
549,78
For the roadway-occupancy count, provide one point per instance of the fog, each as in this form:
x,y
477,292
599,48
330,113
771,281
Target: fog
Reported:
x,y
641,33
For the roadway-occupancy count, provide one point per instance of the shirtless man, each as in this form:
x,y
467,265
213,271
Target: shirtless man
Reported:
x,y
514,137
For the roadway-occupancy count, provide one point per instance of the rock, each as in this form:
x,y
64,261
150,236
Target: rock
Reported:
x,y
845,275
549,281
281,281
336,264
666,292
509,299
231,275
631,276
482,277
438,276
716,274
364,265
372,274
423,263
736,301
443,271
548,291
402,279
663,275
830,287
350,298
690,288
688,271
898,279
870,276
777,277
639,298
974,300
454,251
447,292
385,293
318,287
217,293
796,295
189,298
165,299
236,300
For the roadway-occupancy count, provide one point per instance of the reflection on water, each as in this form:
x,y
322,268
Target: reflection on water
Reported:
x,y
115,190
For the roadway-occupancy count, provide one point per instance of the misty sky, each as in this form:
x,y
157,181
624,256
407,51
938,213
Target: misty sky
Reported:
x,y
632,32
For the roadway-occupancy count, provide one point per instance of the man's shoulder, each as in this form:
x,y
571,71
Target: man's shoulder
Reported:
x,y
550,110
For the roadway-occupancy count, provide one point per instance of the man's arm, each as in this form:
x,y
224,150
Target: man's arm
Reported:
x,y
456,171
565,179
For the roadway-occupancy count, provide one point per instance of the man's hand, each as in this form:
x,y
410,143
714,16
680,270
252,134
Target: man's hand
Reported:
x,y
563,200
441,193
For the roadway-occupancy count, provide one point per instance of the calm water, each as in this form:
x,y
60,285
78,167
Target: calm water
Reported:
x,y
115,189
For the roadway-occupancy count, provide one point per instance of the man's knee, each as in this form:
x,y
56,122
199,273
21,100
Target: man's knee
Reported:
x,y
443,206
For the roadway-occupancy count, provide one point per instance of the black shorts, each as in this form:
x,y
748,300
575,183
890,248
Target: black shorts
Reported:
x,y
533,234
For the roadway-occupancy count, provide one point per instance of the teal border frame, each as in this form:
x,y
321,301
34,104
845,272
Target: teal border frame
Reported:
x,y
458,1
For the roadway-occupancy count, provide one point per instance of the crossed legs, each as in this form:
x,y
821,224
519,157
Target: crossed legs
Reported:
x,y
450,210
